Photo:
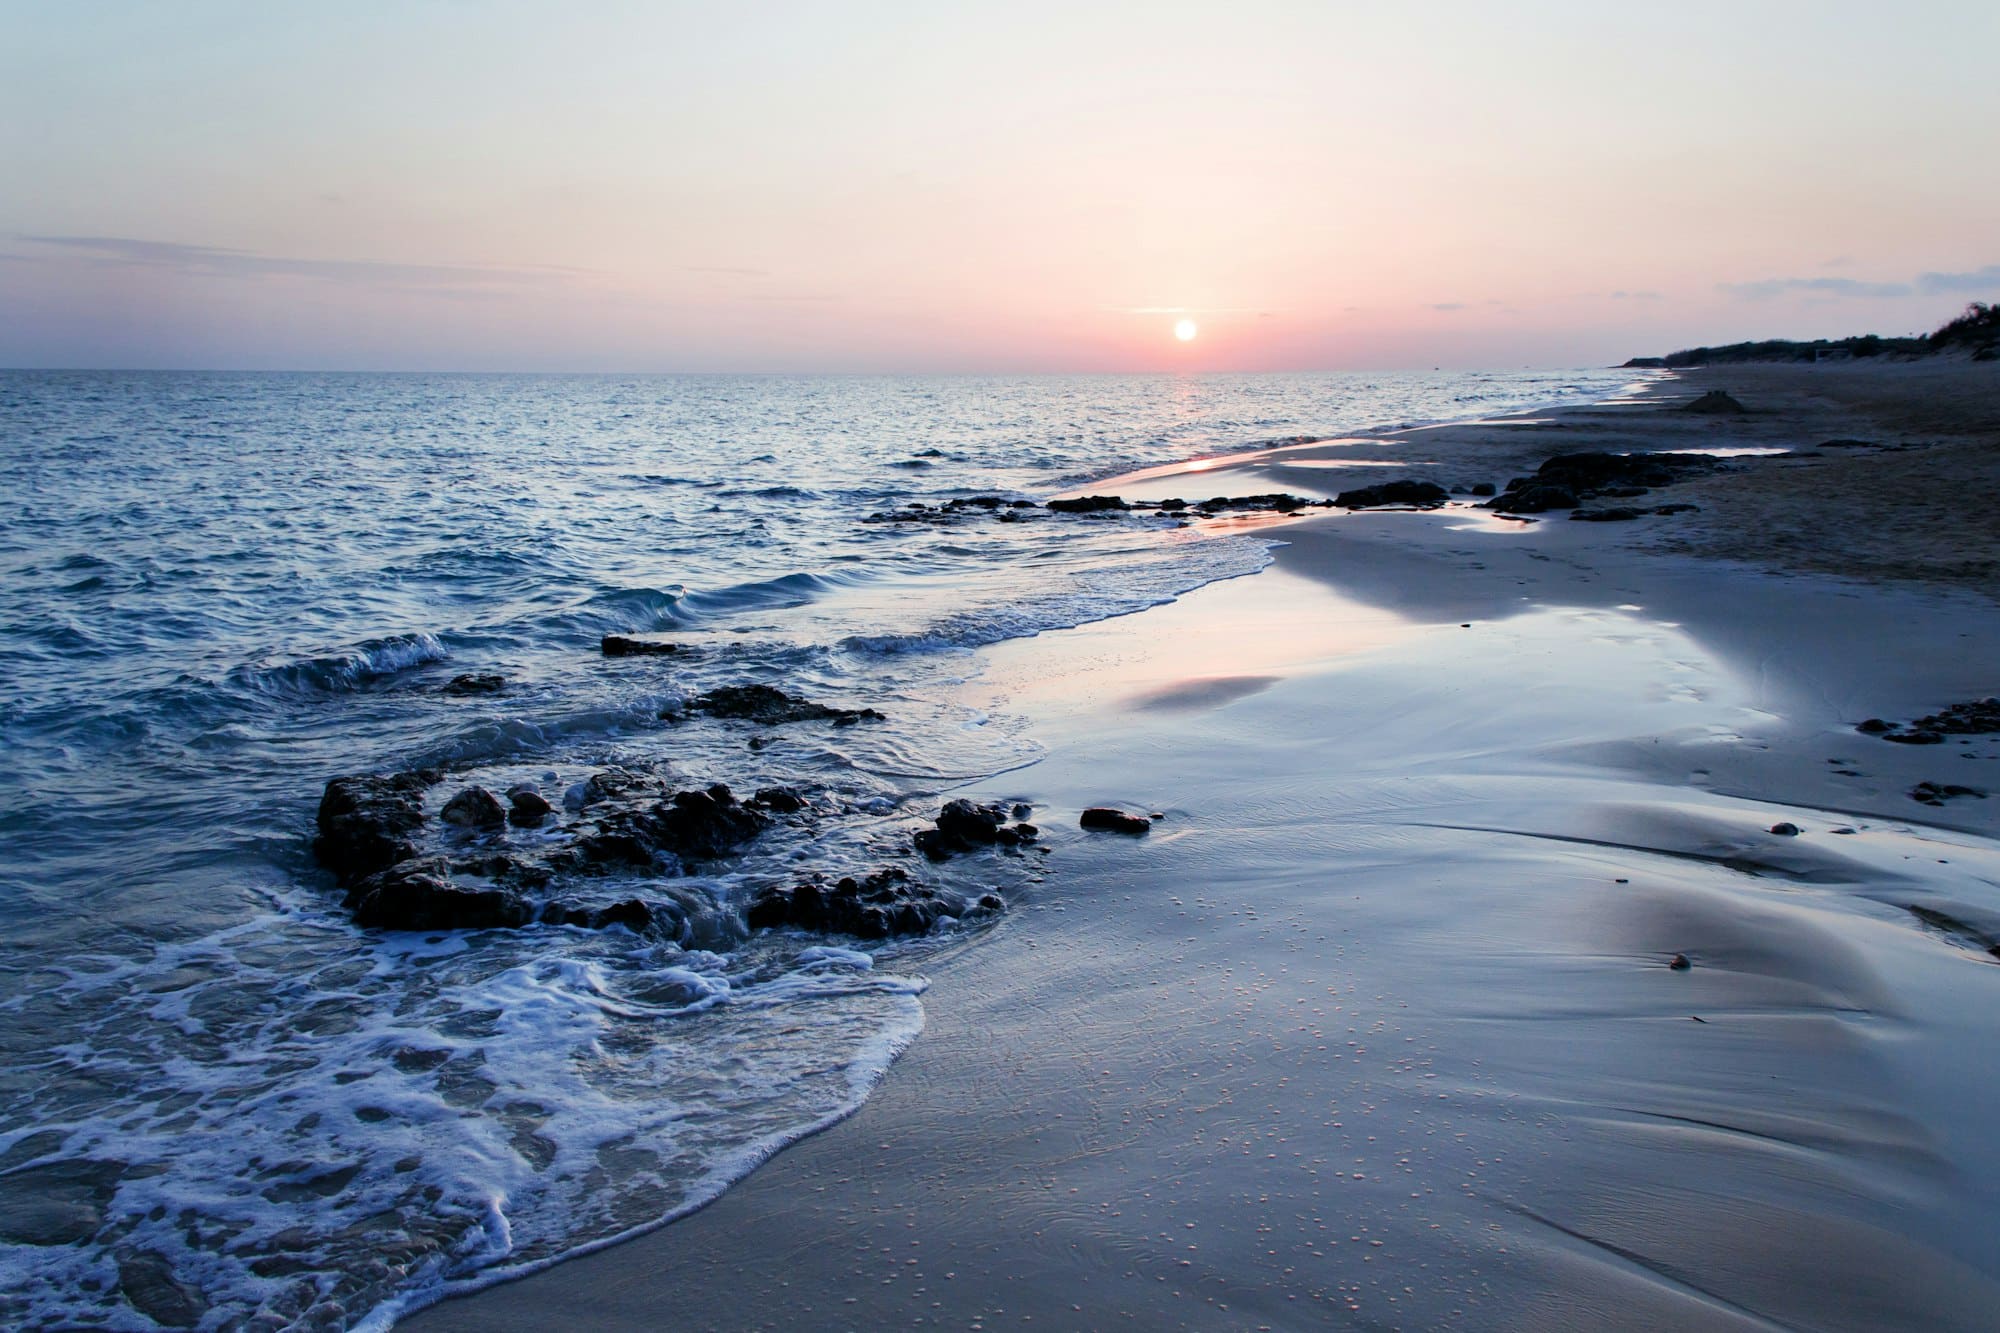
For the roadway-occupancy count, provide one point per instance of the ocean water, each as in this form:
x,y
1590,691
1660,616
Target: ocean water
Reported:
x,y
221,1104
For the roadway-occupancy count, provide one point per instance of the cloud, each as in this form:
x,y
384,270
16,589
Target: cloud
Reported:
x,y
1979,280
1773,287
1636,296
1976,282
726,270
215,261
1447,307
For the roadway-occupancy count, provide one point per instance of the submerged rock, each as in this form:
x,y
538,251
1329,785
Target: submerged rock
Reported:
x,y
769,706
617,645
1534,498
476,682
1421,494
527,807
885,903
1106,819
1937,793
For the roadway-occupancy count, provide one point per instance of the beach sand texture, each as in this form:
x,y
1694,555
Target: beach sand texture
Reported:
x,y
1378,1026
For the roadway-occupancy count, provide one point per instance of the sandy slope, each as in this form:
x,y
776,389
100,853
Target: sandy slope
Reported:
x,y
1376,1028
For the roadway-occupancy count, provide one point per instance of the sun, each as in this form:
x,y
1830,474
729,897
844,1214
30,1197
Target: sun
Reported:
x,y
1186,329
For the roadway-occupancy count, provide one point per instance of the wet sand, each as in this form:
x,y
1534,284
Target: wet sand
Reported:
x,y
1377,1027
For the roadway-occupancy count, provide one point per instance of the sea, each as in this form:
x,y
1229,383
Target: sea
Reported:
x,y
224,1105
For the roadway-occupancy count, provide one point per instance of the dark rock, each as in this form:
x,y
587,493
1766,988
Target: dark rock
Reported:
x,y
1787,829
1283,501
475,807
1680,963
369,823
964,826
1715,402
1677,509
476,682
1875,726
1114,821
1533,499
420,895
617,645
1619,514
784,800
1482,488
1088,504
1849,444
1919,737
527,807
1173,504
770,706
885,903
1407,491
1937,793
1594,471
635,915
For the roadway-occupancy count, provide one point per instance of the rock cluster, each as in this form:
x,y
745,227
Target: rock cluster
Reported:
x,y
1975,718
769,706
1567,480
1937,793
1108,820
885,903
965,826
617,645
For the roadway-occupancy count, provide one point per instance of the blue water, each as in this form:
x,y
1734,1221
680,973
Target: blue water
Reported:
x,y
220,1102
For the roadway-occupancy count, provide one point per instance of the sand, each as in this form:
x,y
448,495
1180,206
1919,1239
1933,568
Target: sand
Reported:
x,y
1377,1027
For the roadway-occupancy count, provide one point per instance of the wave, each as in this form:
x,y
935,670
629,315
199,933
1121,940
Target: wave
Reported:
x,y
359,666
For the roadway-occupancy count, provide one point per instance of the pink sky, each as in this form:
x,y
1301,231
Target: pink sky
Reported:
x,y
1019,187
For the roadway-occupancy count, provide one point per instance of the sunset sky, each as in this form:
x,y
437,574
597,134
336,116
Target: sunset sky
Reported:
x,y
929,187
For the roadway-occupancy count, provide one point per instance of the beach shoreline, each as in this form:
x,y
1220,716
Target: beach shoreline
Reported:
x,y
1378,1025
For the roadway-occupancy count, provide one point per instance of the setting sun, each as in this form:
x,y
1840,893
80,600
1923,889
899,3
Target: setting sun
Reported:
x,y
1185,330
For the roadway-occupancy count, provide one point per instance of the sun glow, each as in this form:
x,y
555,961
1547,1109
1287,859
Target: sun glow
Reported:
x,y
1185,330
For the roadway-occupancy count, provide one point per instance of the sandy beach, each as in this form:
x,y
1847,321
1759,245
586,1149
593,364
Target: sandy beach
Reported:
x,y
1380,1025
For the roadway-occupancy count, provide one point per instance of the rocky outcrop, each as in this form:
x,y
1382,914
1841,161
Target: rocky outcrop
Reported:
x,y
1087,504
474,808
883,904
422,895
1715,402
1937,793
370,822
1408,491
475,682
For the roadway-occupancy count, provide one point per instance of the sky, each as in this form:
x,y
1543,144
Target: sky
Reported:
x,y
970,187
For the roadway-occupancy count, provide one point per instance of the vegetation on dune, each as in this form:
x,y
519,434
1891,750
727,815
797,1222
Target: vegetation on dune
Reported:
x,y
1976,331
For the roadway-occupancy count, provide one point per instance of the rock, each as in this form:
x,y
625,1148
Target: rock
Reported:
x,y
1283,501
1680,963
420,895
617,645
1534,498
476,682
784,800
1618,514
1922,736
528,807
1088,504
475,807
1408,491
1875,726
369,823
689,825
885,903
1714,402
1786,829
635,915
1482,488
1597,472
964,826
1105,818
1937,793
770,706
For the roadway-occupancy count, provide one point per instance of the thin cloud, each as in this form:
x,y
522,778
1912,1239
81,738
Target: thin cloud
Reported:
x,y
1974,282
216,261
1979,280
726,271
1448,307
1183,310
1637,296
